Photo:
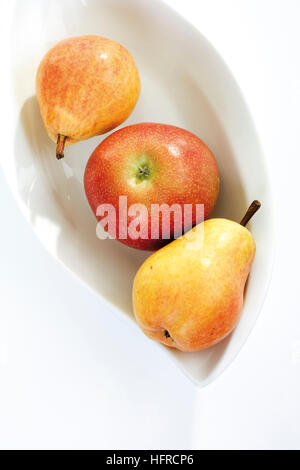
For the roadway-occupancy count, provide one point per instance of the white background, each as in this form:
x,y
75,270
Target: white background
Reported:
x,y
73,375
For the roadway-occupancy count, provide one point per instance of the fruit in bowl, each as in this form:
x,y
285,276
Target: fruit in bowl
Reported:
x,y
151,165
189,294
85,86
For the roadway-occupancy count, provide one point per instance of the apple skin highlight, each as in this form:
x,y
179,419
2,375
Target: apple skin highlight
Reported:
x,y
176,167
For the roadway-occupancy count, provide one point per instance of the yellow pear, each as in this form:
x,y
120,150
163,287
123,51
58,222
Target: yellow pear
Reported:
x,y
189,294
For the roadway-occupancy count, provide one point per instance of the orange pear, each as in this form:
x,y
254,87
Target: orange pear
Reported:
x,y
85,86
189,294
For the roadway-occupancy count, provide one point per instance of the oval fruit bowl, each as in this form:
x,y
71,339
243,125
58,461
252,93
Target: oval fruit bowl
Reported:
x,y
184,83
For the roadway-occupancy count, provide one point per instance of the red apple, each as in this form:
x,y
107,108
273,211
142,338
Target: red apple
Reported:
x,y
150,164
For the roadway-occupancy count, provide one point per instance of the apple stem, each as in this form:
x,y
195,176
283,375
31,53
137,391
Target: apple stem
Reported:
x,y
254,206
61,140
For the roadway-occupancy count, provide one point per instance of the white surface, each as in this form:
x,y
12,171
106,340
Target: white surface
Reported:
x,y
58,388
194,90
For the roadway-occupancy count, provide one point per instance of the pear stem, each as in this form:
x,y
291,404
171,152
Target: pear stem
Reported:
x,y
61,140
254,206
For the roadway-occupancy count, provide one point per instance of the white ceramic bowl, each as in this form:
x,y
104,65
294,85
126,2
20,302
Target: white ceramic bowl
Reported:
x,y
185,83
